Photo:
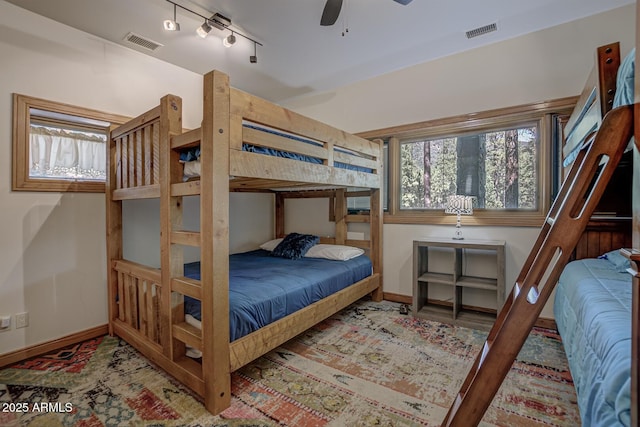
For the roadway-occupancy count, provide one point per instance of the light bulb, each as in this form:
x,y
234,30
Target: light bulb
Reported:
x,y
229,40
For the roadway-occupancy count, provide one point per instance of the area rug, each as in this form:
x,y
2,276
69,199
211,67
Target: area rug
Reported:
x,y
365,366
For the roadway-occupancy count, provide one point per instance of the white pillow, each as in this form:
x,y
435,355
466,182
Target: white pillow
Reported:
x,y
321,250
270,245
335,252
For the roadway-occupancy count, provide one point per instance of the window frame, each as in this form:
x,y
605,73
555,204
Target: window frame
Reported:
x,y
540,112
21,181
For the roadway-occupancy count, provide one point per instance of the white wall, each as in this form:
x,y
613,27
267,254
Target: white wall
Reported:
x,y
53,249
545,65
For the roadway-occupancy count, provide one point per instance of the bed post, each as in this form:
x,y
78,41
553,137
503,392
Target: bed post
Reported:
x,y
279,215
340,212
375,237
214,227
171,259
114,232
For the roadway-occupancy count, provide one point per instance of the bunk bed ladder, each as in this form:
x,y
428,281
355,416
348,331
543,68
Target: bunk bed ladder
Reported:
x,y
557,239
176,334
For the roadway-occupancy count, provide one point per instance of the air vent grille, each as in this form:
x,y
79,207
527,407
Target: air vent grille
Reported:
x,y
143,42
482,30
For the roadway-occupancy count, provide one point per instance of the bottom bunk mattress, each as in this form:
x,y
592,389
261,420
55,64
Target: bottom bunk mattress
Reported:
x,y
265,288
592,309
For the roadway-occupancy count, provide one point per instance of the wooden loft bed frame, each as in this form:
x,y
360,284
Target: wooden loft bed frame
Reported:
x,y
145,303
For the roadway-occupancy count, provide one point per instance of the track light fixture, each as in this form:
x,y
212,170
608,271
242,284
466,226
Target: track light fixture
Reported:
x,y
216,20
229,40
172,25
204,29
254,58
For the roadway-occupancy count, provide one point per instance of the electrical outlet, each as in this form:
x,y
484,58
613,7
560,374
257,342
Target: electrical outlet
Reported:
x,y
22,320
5,323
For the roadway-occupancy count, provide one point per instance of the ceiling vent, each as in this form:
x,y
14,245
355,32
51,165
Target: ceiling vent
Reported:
x,y
482,30
143,42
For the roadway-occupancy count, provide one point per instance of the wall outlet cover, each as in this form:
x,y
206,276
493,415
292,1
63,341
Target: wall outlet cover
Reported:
x,y
22,320
5,322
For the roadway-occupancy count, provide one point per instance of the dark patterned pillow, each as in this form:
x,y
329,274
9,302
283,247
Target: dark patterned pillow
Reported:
x,y
295,245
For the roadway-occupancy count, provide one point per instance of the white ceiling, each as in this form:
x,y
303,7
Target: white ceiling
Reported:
x,y
298,56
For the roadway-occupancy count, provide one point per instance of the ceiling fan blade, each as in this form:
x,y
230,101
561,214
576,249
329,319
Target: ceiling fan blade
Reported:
x,y
403,2
331,12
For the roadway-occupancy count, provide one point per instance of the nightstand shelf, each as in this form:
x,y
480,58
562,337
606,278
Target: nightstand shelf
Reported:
x,y
440,268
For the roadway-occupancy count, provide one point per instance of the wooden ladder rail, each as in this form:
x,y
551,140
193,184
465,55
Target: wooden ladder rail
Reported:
x,y
558,237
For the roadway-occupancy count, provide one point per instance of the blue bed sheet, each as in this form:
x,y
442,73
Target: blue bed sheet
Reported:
x,y
592,309
264,288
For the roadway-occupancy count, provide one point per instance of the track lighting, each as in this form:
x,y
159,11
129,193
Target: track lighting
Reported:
x,y
216,20
204,29
172,25
229,40
254,58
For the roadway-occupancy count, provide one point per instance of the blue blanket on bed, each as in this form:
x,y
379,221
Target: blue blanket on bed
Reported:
x,y
264,288
592,309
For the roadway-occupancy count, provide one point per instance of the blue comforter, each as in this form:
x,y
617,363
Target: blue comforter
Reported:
x,y
592,309
264,288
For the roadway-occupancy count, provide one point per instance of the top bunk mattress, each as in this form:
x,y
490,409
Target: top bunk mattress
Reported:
x,y
265,288
592,310
191,157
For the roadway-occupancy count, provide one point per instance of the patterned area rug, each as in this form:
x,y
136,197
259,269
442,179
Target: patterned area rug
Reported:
x,y
366,366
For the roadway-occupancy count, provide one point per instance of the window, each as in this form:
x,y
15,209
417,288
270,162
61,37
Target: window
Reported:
x,y
503,158
59,147
498,168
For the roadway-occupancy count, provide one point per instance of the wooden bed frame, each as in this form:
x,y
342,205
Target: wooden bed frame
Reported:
x,y
146,303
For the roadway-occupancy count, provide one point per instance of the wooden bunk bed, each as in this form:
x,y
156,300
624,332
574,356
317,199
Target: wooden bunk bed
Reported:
x,y
586,220
146,304
610,224
593,299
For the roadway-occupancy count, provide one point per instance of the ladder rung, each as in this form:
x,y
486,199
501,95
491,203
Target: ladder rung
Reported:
x,y
188,238
187,286
189,188
187,139
188,334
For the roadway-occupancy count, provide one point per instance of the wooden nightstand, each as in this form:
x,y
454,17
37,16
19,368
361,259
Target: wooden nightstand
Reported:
x,y
440,264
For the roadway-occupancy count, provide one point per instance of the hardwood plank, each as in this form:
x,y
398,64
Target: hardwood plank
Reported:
x,y
133,124
187,139
139,157
145,192
188,334
155,144
187,286
170,124
214,226
135,269
189,188
254,165
148,155
188,238
269,140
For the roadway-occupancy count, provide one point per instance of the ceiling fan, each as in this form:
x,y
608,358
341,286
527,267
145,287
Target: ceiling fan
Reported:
x,y
332,11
